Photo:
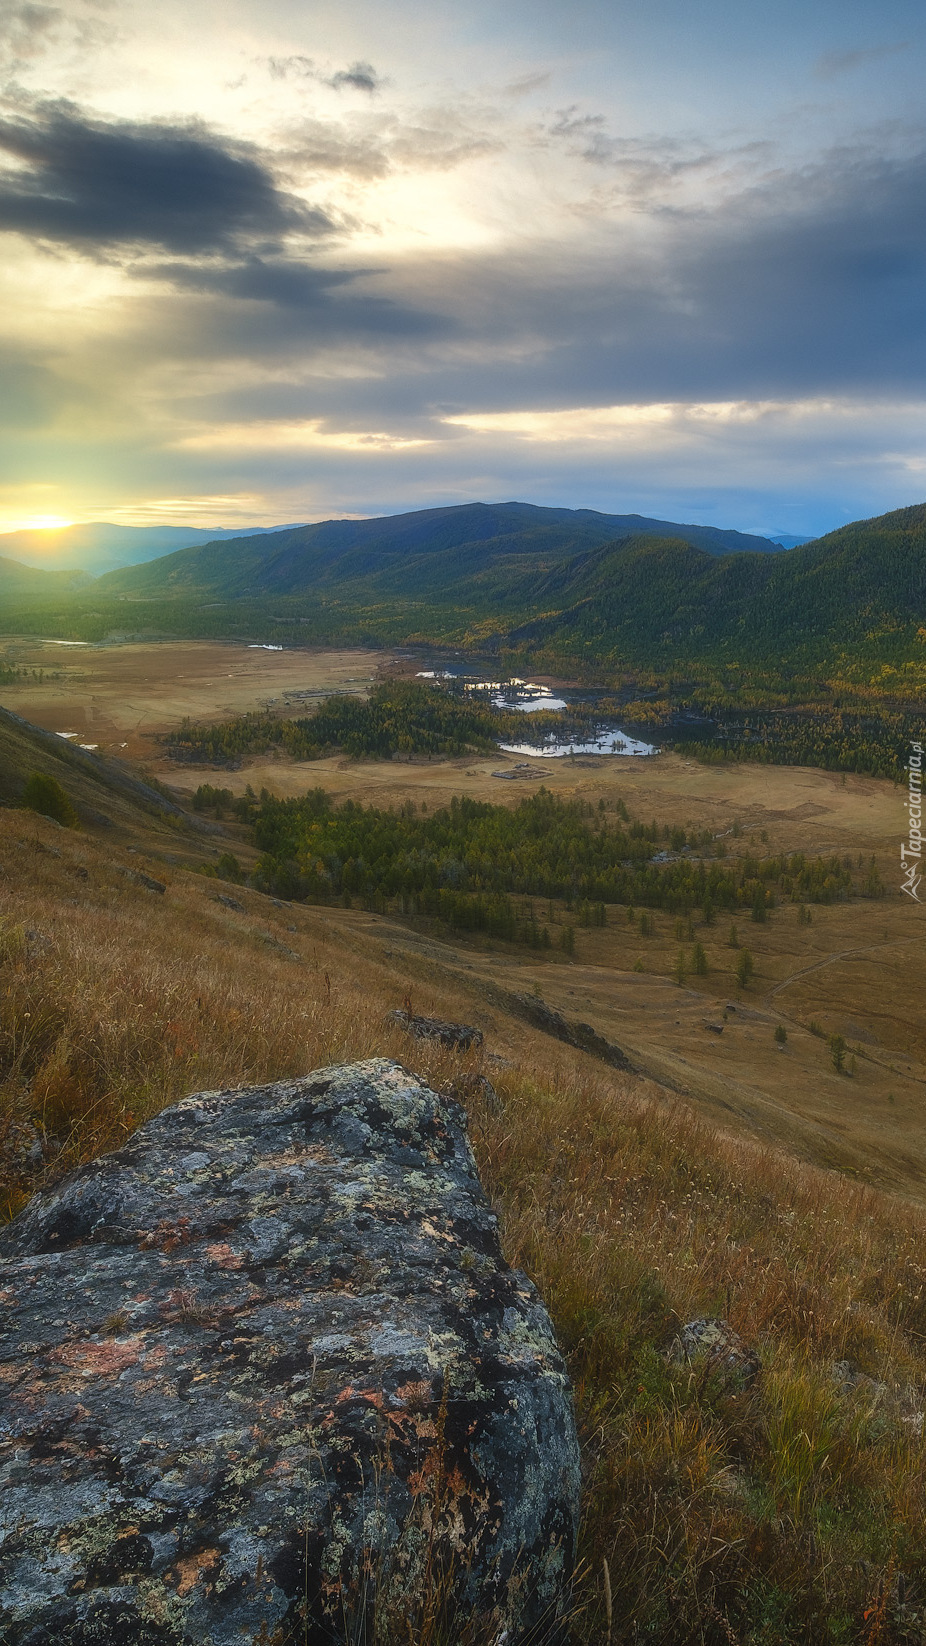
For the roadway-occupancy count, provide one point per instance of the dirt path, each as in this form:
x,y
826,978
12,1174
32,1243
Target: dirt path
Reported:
x,y
838,954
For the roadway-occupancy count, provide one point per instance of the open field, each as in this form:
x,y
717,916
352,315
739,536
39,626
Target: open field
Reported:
x,y
119,696
800,809
870,1124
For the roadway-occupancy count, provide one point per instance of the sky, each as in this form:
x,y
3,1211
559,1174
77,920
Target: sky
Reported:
x,y
277,261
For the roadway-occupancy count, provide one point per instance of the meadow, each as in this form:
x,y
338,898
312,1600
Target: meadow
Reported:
x,y
726,1175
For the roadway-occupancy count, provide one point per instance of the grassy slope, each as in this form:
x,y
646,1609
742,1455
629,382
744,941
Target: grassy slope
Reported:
x,y
780,1514
105,794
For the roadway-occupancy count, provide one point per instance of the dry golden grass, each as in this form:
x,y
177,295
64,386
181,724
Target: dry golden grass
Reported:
x,y
119,696
787,1511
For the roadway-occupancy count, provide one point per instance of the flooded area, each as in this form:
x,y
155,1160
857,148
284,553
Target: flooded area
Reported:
x,y
611,740
581,732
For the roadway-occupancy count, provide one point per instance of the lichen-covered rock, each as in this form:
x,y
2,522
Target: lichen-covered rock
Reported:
x,y
266,1377
719,1349
460,1037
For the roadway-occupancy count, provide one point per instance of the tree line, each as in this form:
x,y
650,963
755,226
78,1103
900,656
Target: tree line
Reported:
x,y
402,717
876,744
463,863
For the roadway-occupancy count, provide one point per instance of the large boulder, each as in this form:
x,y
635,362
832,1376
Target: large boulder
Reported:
x,y
267,1377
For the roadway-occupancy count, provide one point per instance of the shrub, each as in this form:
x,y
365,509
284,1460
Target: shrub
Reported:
x,y
44,794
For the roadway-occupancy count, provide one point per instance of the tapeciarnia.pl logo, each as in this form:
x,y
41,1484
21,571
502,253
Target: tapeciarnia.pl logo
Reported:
x,y
911,853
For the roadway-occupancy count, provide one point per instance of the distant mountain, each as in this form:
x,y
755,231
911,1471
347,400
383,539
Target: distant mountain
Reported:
x,y
862,587
567,584
426,552
17,579
100,547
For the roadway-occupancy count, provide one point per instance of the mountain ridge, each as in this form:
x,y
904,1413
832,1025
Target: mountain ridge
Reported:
x,y
330,552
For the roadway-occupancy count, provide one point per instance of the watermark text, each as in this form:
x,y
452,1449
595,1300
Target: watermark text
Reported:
x,y
911,853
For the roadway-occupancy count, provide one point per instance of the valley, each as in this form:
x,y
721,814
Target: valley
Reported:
x,y
654,1153
852,972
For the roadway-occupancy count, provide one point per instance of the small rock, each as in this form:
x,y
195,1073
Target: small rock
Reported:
x,y
460,1037
22,1145
280,948
714,1028
139,879
229,902
719,1348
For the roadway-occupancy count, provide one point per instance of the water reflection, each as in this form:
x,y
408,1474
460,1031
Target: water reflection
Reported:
x,y
596,737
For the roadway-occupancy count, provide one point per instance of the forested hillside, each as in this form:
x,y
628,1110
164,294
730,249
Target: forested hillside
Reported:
x,y
427,551
551,589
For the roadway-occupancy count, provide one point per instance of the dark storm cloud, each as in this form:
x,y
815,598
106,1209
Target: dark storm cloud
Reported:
x,y
101,184
257,279
278,309
809,285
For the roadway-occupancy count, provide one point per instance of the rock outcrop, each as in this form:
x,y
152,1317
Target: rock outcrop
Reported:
x,y
267,1377
459,1037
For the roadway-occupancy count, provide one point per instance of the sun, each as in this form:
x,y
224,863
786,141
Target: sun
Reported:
x,y
46,523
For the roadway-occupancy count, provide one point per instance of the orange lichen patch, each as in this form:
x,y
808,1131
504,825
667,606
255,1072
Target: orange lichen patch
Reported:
x,y
186,1573
101,1359
169,1234
223,1257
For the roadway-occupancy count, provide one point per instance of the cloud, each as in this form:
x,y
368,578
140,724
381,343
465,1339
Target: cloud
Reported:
x,y
286,283
26,31
28,391
101,184
652,172
436,139
320,147
295,67
842,62
528,83
359,77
